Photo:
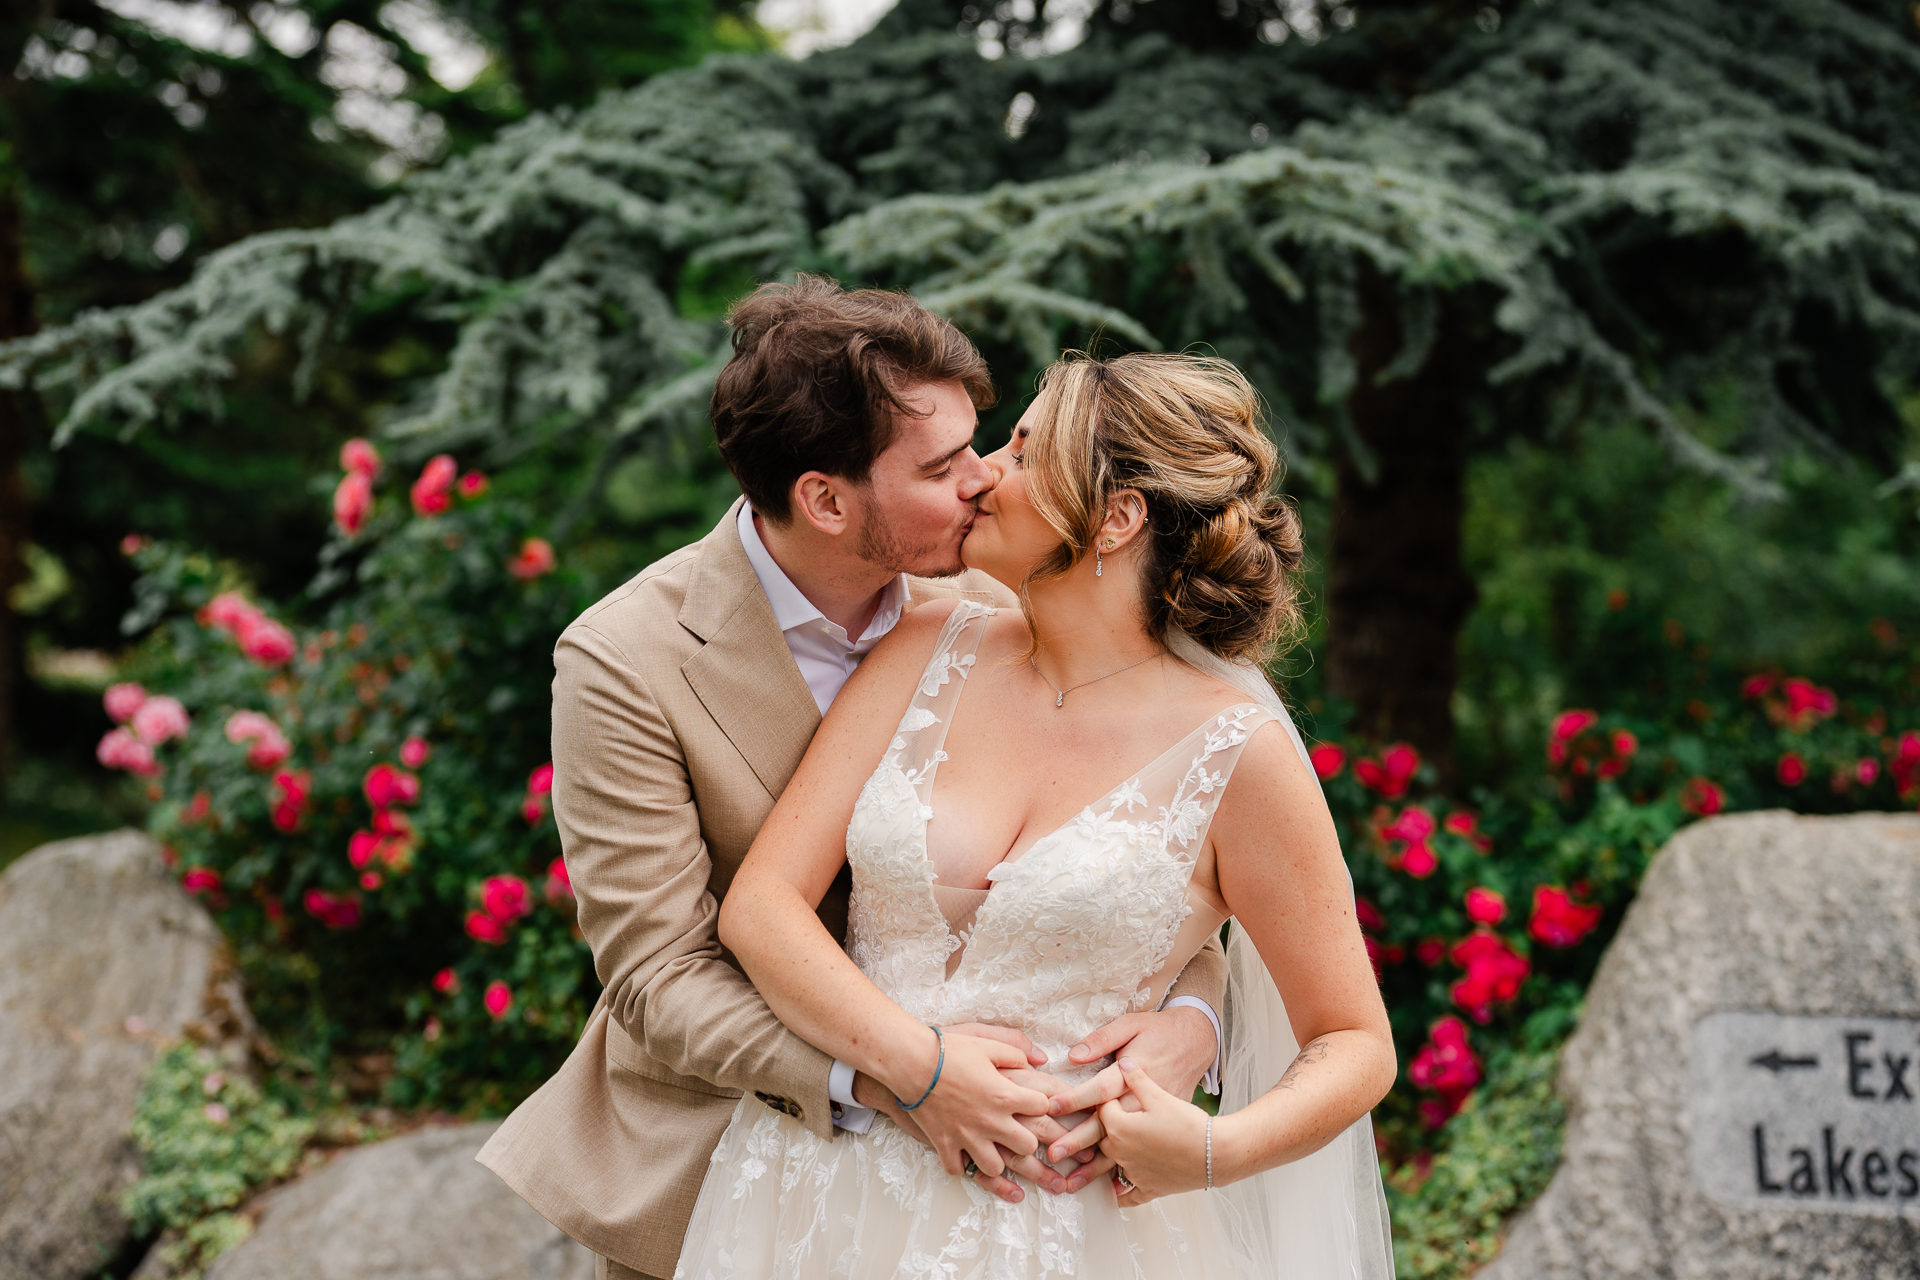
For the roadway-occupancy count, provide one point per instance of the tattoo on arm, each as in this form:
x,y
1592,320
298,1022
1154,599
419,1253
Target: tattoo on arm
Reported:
x,y
1314,1052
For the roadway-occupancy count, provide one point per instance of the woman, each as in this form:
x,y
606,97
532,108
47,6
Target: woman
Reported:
x,y
1067,802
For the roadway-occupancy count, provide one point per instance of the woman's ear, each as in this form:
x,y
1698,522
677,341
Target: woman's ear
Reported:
x,y
1126,518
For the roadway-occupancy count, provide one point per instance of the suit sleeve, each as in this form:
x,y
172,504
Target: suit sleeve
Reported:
x,y
640,870
1205,975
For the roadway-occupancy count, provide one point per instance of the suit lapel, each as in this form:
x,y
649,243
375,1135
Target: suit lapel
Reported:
x,y
744,674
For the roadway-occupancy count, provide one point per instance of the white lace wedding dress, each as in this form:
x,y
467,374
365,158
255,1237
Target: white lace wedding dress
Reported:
x,y
1066,940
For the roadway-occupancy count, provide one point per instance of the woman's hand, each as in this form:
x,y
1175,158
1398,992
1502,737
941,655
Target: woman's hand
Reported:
x,y
1161,1147
974,1109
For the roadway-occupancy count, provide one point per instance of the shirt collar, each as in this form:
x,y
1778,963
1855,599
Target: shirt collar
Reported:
x,y
791,608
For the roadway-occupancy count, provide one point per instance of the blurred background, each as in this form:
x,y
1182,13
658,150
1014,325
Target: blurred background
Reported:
x,y
1589,329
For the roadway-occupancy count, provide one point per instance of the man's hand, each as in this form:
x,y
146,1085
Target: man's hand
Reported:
x,y
1174,1046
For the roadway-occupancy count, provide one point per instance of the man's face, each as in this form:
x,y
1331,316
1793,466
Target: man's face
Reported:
x,y
918,501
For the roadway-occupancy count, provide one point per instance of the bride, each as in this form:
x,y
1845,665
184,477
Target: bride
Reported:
x,y
1067,801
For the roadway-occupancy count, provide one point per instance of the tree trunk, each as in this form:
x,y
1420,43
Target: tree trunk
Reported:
x,y
1397,592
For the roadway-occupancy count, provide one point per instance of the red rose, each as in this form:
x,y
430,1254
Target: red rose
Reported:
x,y
1368,914
199,880
1791,770
1485,906
559,883
352,500
1702,797
446,982
472,485
386,786
536,560
1570,724
1328,760
1419,861
540,781
505,898
431,492
1558,920
498,999
482,927
414,752
334,910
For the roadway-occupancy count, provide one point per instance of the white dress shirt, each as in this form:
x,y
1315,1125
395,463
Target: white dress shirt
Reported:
x,y
827,658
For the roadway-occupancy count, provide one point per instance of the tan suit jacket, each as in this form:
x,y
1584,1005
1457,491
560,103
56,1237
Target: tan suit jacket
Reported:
x,y
678,717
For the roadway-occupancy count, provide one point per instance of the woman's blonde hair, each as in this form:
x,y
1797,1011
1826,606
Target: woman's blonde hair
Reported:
x,y
1187,432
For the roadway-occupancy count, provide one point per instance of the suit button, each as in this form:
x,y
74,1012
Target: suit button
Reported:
x,y
785,1106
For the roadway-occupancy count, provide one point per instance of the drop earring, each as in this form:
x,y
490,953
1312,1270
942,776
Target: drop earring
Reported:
x,y
1098,567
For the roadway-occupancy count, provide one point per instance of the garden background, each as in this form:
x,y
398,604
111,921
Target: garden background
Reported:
x,y
355,347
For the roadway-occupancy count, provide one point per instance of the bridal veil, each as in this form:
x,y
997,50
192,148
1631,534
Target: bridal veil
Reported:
x,y
1322,1217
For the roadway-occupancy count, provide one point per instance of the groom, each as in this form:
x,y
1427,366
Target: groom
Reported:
x,y
682,703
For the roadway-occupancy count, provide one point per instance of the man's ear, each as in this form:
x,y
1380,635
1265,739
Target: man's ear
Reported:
x,y
825,502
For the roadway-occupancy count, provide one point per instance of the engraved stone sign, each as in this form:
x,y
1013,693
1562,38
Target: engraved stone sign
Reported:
x,y
1815,1112
1743,1092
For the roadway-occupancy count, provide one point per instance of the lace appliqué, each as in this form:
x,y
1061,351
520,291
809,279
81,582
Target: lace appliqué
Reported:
x,y
1066,941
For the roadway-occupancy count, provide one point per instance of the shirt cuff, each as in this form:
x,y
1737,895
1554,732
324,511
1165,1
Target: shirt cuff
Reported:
x,y
847,1114
1211,1081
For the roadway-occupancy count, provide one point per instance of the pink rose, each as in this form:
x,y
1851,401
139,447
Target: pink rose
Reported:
x,y
559,883
430,493
119,749
540,781
352,501
446,982
357,457
361,848
1413,825
536,560
229,611
534,810
270,746
498,999
1791,770
471,485
266,641
160,719
1702,798
414,752
1368,915
1447,1065
123,700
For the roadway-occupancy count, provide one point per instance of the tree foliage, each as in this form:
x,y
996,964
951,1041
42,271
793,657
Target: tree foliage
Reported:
x,y
1606,206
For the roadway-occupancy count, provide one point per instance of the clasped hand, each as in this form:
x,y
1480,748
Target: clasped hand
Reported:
x,y
1018,1123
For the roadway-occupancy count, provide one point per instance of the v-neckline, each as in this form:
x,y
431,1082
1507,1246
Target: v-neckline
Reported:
x,y
1132,776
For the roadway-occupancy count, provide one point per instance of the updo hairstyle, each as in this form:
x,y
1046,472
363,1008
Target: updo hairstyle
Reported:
x,y
1187,432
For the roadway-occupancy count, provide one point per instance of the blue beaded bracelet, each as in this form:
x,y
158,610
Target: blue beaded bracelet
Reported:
x,y
942,1042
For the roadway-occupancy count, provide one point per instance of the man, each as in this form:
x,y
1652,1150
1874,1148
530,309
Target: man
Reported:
x,y
682,704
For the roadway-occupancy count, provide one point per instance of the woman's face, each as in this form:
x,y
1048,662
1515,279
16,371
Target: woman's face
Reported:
x,y
1009,538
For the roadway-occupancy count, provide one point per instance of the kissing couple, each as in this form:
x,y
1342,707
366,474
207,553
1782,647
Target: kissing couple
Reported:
x,y
905,810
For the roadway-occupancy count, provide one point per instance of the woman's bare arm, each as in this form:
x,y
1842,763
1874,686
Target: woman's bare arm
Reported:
x,y
768,922
1278,867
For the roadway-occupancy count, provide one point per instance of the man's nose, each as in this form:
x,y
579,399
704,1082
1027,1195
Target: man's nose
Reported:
x,y
977,477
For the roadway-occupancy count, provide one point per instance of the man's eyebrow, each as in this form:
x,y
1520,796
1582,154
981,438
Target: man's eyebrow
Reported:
x,y
946,457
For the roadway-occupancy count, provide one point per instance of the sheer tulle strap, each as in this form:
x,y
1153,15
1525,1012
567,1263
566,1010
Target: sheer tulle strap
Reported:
x,y
917,746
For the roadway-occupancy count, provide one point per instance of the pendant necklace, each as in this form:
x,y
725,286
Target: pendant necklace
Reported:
x,y
1060,695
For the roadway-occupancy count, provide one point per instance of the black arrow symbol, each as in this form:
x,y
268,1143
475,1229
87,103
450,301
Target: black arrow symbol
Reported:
x,y
1773,1062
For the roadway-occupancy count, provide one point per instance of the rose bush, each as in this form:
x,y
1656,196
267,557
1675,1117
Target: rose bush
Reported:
x,y
349,794
1485,916
357,784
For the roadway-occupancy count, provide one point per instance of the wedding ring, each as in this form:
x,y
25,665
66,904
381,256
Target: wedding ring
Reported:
x,y
1121,1180
971,1170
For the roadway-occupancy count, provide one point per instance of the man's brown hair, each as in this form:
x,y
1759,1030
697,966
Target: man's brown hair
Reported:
x,y
816,378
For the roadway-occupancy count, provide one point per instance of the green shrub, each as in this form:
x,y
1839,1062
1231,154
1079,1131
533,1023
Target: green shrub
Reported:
x,y
208,1137
1501,1151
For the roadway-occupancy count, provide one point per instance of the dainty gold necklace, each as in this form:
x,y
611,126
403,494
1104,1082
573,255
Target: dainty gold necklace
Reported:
x,y
1060,695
